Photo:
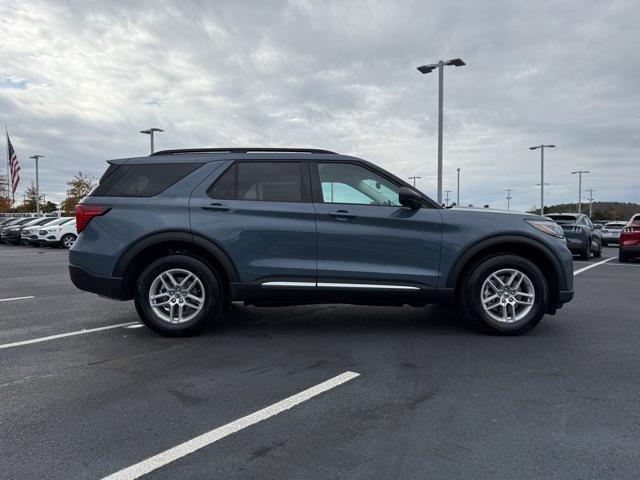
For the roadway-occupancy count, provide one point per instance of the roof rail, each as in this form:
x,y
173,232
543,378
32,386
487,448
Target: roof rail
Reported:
x,y
239,150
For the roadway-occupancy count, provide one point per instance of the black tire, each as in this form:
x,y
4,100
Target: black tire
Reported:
x,y
213,296
471,290
67,240
585,252
598,251
622,258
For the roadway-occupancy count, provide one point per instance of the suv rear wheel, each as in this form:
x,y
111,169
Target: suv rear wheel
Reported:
x,y
505,295
178,295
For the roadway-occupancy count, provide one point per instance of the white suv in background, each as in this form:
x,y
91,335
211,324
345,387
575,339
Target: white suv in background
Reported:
x,y
59,234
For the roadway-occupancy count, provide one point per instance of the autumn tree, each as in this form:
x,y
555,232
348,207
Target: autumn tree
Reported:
x,y
5,200
79,187
28,204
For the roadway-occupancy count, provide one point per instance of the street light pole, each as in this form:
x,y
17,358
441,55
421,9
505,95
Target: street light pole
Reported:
x,y
509,197
580,172
36,158
150,133
414,180
457,62
458,193
590,190
541,147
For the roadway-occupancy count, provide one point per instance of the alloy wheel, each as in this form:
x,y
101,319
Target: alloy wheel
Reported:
x,y
177,295
507,295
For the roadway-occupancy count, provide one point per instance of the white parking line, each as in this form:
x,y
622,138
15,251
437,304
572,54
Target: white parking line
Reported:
x,y
15,298
190,446
63,335
584,269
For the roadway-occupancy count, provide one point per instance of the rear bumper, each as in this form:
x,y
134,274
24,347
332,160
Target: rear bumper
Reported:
x,y
633,250
105,286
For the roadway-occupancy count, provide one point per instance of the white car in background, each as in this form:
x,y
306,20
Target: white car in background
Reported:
x,y
611,232
59,234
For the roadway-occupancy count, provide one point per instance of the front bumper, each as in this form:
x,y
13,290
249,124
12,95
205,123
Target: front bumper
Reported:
x,y
89,282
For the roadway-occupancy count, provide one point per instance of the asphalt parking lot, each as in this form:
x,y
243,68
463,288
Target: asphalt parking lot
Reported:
x,y
269,393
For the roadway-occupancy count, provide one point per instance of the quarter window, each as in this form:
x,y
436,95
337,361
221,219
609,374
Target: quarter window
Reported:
x,y
353,184
142,180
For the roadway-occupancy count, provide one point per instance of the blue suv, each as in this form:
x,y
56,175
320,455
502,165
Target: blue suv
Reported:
x,y
184,232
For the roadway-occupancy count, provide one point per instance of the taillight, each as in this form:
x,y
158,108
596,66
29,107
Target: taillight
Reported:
x,y
84,214
631,229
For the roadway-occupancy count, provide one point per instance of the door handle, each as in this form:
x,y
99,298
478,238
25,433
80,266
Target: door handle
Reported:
x,y
216,207
342,215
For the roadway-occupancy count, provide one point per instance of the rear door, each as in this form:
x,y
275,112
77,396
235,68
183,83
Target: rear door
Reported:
x,y
366,239
260,213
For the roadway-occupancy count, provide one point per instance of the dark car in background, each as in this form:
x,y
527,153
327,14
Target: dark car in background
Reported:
x,y
583,238
10,230
630,240
185,232
611,232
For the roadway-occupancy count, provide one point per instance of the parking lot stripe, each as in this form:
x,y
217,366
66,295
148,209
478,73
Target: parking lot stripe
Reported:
x,y
584,269
201,441
63,335
15,298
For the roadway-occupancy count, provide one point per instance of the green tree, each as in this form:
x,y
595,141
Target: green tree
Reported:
x,y
49,207
79,187
28,204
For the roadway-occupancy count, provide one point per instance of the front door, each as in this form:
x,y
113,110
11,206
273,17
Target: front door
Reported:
x,y
366,239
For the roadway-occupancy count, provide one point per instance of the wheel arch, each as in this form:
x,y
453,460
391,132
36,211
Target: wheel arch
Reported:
x,y
523,246
140,254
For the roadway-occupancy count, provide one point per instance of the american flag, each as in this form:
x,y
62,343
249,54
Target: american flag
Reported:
x,y
14,167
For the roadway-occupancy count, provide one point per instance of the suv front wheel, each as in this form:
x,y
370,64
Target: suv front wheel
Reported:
x,y
178,295
505,294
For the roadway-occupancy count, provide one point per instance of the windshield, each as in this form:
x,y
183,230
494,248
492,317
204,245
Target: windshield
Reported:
x,y
613,226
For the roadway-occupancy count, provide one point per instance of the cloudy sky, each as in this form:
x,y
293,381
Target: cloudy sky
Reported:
x,y
79,79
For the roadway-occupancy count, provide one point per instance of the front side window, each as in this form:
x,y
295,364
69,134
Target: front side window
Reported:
x,y
261,181
349,183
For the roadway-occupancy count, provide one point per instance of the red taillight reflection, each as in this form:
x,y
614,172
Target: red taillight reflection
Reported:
x,y
84,214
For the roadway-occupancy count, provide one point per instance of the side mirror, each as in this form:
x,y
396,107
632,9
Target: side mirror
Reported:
x,y
410,198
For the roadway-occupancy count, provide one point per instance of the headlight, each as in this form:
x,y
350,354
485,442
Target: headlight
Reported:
x,y
548,227
54,229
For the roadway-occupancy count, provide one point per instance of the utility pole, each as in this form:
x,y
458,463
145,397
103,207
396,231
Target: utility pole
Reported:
x,y
509,197
150,133
457,62
446,199
414,180
590,190
36,158
580,172
541,147
458,193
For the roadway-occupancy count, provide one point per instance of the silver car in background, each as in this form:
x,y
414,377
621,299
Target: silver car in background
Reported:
x,y
611,232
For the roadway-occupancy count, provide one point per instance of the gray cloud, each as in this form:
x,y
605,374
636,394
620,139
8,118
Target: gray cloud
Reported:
x,y
78,80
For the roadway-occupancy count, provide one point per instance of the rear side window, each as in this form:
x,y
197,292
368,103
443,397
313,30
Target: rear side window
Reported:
x,y
142,180
262,181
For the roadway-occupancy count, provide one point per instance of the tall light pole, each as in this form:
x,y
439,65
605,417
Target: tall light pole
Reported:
x,y
542,147
458,192
36,158
590,190
150,132
509,197
457,62
414,180
580,172
446,199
